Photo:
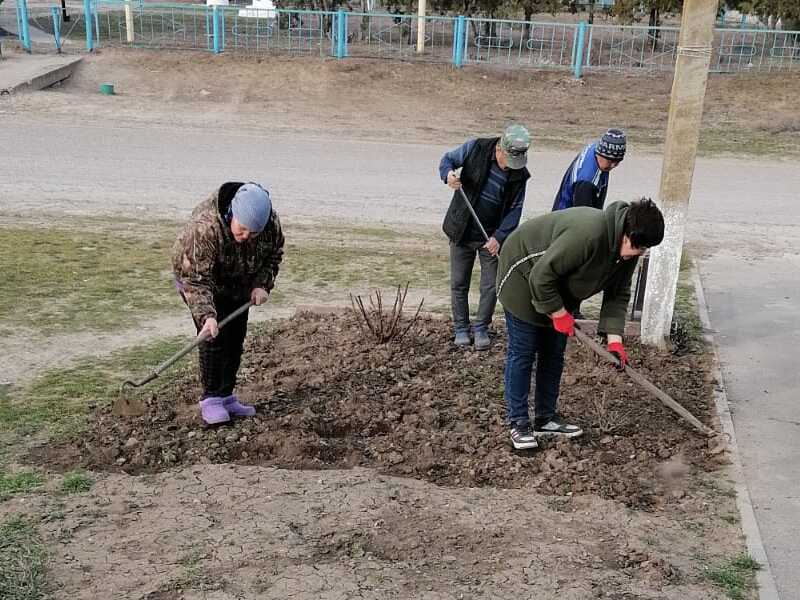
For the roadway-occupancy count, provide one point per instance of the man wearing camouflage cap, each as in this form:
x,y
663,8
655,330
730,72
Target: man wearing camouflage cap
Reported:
x,y
493,177
586,181
228,254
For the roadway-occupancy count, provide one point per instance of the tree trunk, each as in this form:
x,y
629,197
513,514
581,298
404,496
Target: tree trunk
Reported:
x,y
326,19
654,23
364,27
528,12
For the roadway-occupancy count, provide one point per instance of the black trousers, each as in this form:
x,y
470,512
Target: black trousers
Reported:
x,y
221,356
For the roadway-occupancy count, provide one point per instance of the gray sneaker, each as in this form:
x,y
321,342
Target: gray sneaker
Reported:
x,y
462,338
482,341
522,438
556,427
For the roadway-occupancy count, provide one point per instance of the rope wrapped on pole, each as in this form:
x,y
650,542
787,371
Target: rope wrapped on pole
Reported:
x,y
678,164
421,27
695,51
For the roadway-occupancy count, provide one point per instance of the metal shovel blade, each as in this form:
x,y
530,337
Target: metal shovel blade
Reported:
x,y
127,406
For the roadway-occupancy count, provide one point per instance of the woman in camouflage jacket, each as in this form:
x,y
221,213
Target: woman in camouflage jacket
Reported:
x,y
227,255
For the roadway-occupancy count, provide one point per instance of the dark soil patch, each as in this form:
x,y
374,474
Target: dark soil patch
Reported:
x,y
327,397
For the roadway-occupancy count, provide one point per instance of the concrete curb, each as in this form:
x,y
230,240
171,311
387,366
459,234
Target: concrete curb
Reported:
x,y
755,547
43,80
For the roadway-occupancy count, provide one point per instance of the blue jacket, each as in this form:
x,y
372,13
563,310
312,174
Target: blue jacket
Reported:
x,y
498,217
584,184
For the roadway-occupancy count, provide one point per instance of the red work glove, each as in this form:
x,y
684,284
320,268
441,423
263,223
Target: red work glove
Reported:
x,y
564,324
618,350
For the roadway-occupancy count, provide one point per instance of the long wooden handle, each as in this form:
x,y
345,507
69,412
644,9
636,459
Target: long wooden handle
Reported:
x,y
185,350
643,382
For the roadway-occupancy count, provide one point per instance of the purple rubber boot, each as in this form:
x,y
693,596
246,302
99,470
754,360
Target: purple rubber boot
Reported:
x,y
234,407
213,410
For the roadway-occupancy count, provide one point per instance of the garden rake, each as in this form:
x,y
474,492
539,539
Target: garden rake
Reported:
x,y
643,382
128,406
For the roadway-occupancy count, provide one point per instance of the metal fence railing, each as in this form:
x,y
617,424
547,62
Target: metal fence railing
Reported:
x,y
755,50
385,35
520,43
627,48
461,40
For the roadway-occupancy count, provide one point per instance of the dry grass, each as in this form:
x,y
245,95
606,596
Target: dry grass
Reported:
x,y
417,102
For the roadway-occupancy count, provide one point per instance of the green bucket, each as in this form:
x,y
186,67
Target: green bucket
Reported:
x,y
107,89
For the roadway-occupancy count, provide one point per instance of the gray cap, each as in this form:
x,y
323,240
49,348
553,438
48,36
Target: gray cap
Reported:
x,y
252,207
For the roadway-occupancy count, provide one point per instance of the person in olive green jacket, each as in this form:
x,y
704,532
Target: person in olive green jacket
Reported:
x,y
546,268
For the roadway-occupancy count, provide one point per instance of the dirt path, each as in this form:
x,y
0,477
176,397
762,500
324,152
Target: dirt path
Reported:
x,y
394,100
221,533
30,353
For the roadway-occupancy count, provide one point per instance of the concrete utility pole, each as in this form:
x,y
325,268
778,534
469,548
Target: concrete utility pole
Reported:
x,y
677,169
421,27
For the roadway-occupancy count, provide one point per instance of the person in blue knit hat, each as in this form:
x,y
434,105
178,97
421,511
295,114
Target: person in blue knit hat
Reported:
x,y
228,254
586,181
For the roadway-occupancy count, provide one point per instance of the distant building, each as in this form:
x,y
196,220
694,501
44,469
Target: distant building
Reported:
x,y
597,4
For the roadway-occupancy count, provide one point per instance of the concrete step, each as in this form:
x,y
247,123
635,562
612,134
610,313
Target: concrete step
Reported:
x,y
29,73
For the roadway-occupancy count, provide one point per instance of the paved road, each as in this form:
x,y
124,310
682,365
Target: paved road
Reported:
x,y
750,268
745,229
165,172
755,307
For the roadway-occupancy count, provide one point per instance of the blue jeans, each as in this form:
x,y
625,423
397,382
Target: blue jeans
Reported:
x,y
528,343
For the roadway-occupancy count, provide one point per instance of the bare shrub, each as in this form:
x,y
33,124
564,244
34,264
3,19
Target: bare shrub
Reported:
x,y
380,323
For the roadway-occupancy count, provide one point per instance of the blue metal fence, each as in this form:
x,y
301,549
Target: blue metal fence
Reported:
x,y
218,28
55,15
22,25
461,40
632,48
520,43
738,50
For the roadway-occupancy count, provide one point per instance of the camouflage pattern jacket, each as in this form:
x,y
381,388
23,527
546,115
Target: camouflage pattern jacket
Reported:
x,y
208,262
